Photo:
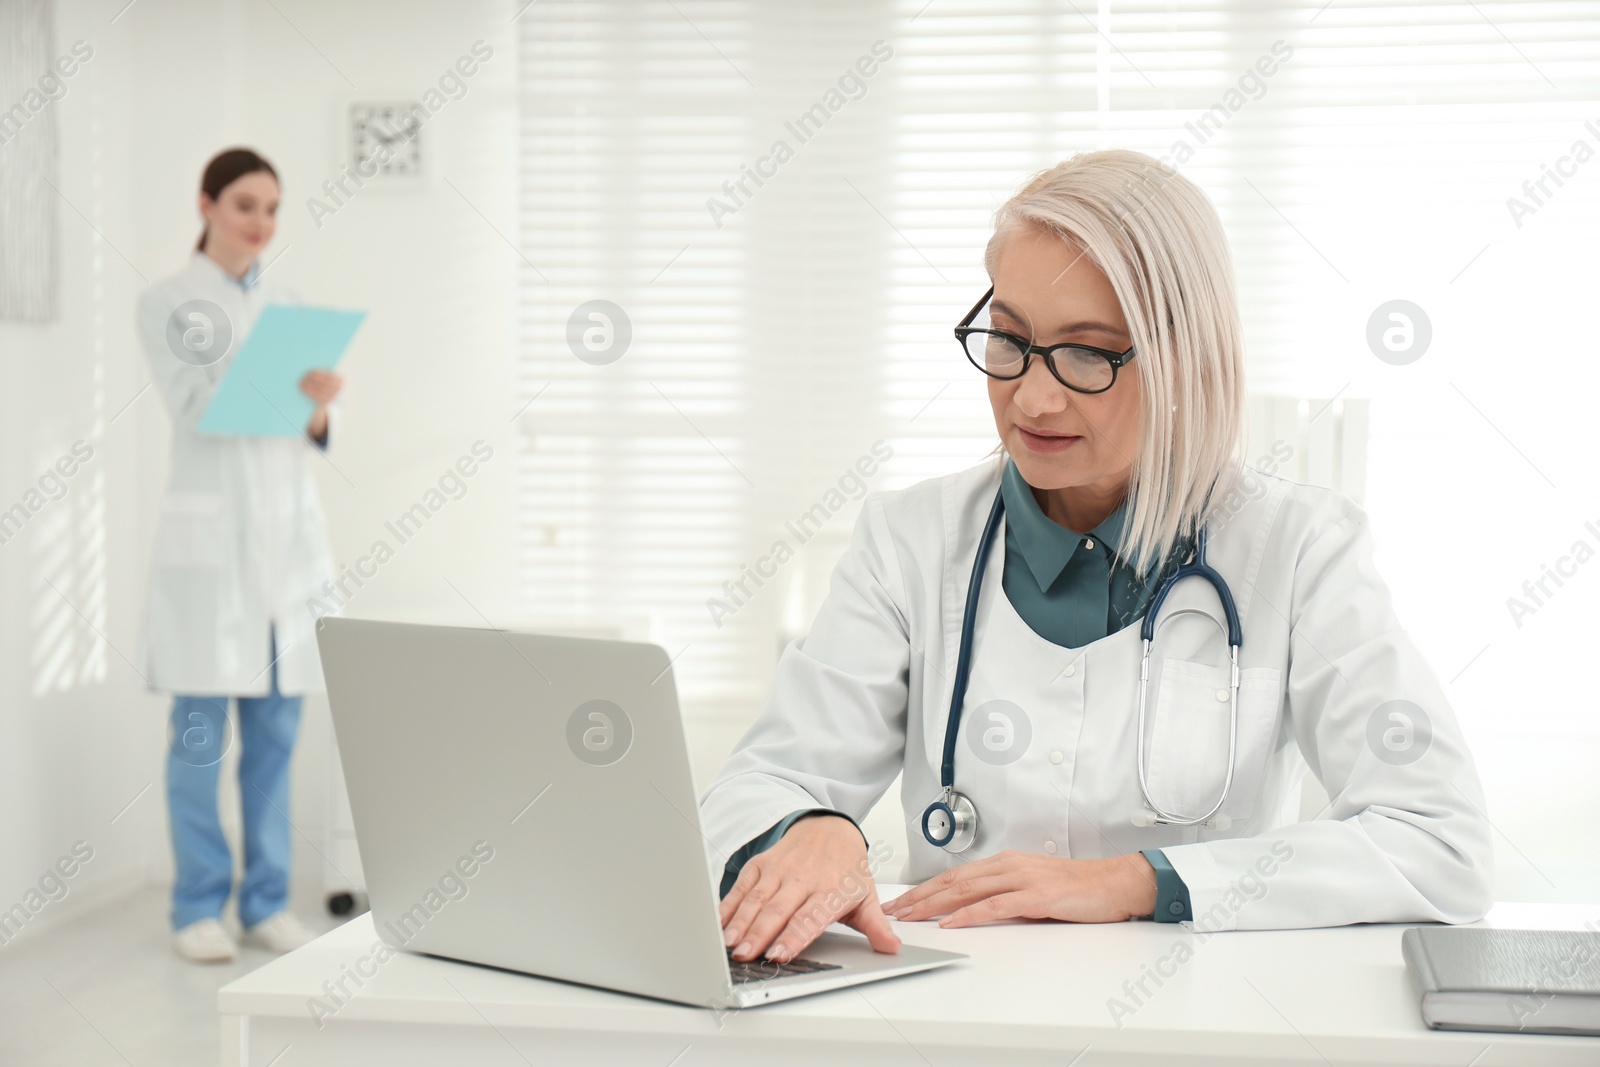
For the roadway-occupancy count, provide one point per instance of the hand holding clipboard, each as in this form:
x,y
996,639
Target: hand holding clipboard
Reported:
x,y
260,396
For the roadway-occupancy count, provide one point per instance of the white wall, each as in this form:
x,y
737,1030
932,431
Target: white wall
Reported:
x,y
168,86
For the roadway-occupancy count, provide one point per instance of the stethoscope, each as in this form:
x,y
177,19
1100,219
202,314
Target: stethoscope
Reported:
x,y
951,822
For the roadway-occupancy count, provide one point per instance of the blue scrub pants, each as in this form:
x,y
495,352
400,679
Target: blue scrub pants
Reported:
x,y
199,737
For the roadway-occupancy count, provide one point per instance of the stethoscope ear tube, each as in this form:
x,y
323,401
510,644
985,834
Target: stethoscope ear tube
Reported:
x,y
1197,568
1153,813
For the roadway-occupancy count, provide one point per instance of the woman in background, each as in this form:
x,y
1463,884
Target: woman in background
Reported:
x,y
240,548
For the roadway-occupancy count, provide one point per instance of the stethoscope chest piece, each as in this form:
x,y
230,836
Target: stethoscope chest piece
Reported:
x,y
951,822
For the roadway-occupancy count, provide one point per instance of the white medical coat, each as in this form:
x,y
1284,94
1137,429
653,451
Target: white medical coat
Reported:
x,y
241,545
1328,678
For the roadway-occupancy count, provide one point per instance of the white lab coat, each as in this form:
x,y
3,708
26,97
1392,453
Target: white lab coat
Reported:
x,y
241,544
866,694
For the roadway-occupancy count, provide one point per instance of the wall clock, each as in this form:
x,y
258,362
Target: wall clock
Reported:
x,y
384,139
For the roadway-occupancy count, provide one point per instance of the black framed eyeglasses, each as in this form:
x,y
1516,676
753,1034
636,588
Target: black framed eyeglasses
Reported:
x,y
1081,368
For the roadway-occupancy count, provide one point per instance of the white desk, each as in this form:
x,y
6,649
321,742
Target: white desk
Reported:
x,y
1033,993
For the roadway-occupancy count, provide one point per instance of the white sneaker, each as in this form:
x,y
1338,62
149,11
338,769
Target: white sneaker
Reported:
x,y
279,932
204,942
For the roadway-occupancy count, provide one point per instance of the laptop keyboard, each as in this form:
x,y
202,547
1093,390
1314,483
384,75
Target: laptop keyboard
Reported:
x,y
761,970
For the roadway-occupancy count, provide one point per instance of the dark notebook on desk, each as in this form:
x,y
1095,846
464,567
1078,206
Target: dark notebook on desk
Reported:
x,y
1507,981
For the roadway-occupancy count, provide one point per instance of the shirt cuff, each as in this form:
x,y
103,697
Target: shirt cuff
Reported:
x,y
327,432
754,848
1172,895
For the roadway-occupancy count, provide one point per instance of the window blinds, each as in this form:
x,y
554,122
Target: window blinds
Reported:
x,y
789,203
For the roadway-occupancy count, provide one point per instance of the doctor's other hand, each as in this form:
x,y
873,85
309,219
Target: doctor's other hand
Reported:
x,y
1027,885
321,386
785,897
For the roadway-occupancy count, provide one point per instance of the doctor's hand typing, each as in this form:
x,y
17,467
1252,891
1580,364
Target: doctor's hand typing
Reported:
x,y
1027,885
785,897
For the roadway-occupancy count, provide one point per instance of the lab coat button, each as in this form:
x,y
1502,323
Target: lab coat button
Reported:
x,y
1222,694
1072,669
1056,757
1050,847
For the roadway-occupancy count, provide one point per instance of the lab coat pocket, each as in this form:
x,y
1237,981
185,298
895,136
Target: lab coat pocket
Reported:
x,y
1188,742
190,532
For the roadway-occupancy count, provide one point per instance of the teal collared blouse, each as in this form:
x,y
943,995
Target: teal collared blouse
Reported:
x,y
1072,589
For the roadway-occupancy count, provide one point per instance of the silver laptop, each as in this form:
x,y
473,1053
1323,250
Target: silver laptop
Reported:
x,y
524,801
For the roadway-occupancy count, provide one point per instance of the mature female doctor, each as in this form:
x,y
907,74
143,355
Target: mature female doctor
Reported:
x,y
1036,784
240,548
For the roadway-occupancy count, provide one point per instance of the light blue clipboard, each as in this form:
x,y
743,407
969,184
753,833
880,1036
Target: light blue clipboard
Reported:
x,y
260,394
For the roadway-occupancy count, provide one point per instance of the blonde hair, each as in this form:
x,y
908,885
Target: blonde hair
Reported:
x,y
1157,238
